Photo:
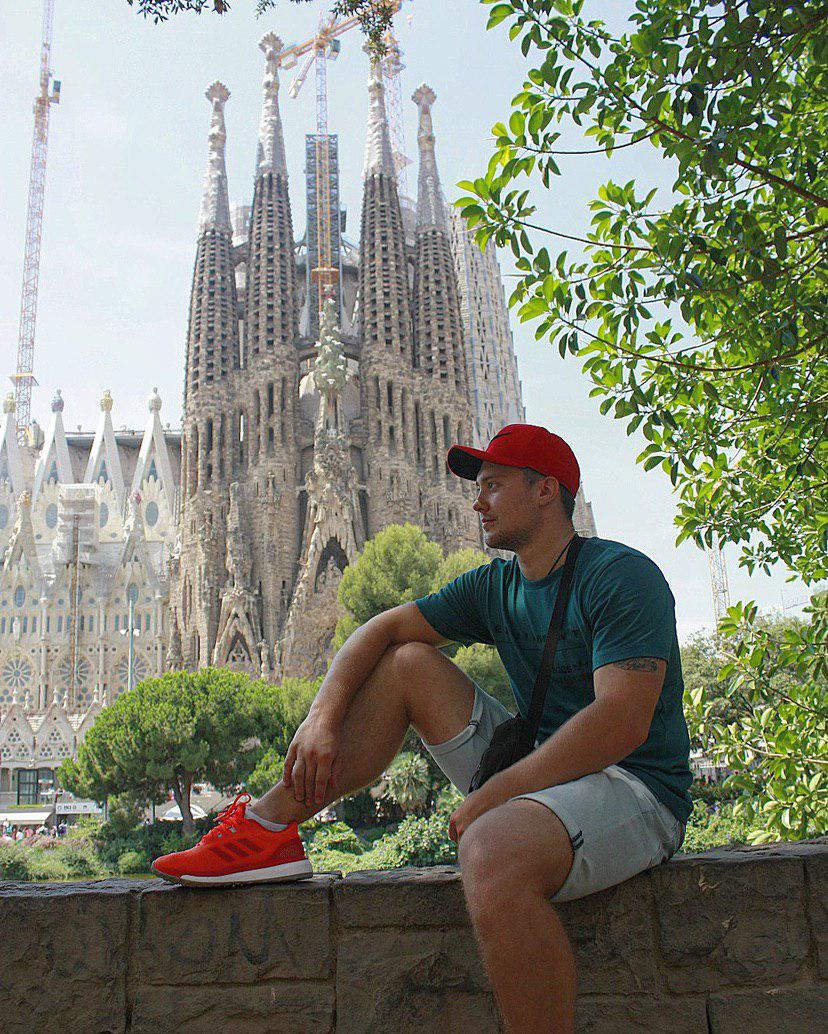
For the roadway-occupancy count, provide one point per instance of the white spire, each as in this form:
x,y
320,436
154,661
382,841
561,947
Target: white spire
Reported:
x,y
11,464
104,460
378,154
270,155
153,457
55,461
215,207
431,205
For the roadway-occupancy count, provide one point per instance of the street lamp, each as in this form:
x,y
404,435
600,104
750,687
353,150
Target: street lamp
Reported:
x,y
132,597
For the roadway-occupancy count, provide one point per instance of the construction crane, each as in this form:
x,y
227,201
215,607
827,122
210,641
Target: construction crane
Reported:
x,y
23,379
718,579
325,46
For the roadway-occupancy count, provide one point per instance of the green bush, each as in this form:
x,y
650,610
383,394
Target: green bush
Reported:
x,y
14,862
708,828
133,863
417,841
336,836
81,861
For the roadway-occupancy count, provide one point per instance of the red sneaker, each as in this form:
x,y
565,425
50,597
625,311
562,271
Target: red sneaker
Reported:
x,y
237,850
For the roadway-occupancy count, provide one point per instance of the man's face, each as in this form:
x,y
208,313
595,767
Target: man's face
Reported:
x,y
507,507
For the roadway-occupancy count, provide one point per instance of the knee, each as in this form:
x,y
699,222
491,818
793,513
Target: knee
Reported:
x,y
393,671
493,876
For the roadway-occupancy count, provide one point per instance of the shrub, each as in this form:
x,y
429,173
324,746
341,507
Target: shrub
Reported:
x,y
133,863
417,841
14,863
708,828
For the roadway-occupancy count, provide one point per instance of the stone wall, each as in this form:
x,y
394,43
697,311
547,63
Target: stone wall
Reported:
x,y
716,943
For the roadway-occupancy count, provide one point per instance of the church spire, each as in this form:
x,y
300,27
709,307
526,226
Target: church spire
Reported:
x,y
438,330
270,316
379,156
215,207
270,155
213,336
431,205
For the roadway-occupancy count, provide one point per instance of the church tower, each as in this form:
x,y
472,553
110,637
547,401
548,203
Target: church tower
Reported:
x,y
390,400
263,536
208,446
445,415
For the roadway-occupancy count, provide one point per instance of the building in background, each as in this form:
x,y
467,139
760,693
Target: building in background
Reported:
x,y
302,437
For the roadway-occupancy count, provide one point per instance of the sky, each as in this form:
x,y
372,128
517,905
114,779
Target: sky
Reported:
x,y
127,153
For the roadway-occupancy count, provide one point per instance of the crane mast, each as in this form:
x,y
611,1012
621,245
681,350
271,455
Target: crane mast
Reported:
x,y
321,48
718,579
23,379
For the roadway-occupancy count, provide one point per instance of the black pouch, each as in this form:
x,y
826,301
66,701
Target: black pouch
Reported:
x,y
515,738
509,744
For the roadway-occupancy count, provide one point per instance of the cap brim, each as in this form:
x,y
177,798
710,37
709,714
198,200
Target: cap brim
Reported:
x,y
465,462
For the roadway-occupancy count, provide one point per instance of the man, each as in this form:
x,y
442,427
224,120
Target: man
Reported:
x,y
603,796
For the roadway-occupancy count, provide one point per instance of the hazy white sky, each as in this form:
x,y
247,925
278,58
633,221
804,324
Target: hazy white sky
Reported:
x,y
126,164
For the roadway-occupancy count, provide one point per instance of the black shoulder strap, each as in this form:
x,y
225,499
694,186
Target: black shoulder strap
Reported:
x,y
552,636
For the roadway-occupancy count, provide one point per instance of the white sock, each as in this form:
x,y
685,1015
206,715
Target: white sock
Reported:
x,y
275,826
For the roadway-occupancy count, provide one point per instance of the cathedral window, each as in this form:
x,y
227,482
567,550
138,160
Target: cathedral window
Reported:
x,y
2,626
60,623
19,596
4,516
103,515
151,514
51,515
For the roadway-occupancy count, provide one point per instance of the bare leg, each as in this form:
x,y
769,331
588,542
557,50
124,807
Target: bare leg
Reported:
x,y
512,859
412,684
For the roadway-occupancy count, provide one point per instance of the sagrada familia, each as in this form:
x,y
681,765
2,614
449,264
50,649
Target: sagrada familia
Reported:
x,y
304,434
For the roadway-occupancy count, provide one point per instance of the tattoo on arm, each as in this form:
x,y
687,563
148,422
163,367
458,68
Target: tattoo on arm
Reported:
x,y
638,664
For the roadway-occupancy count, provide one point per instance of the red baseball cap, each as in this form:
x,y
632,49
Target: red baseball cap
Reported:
x,y
520,445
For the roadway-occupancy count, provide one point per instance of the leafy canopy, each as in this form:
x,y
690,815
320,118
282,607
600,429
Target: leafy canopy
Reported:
x,y
700,317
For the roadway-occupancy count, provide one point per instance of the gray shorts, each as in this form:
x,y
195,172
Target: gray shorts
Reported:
x,y
617,826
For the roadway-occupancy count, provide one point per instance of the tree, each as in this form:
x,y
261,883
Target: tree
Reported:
x,y
698,314
409,782
776,675
167,733
700,317
396,566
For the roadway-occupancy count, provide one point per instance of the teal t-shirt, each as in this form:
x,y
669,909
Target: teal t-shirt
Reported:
x,y
620,606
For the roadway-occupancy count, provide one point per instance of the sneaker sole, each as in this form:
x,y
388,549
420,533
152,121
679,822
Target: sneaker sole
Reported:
x,y
272,874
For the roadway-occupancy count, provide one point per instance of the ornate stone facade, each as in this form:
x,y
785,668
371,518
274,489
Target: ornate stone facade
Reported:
x,y
301,438
87,522
300,449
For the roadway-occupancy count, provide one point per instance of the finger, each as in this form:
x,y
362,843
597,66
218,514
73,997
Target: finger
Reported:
x,y
322,776
299,780
310,782
290,760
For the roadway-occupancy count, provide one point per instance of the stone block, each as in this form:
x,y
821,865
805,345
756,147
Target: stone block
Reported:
x,y
802,1008
640,1015
612,938
402,897
269,1009
730,918
64,954
816,872
393,981
235,935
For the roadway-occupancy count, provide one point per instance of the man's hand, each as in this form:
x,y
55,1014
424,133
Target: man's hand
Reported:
x,y
489,796
311,758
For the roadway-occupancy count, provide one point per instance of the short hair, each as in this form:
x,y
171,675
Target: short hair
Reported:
x,y
532,476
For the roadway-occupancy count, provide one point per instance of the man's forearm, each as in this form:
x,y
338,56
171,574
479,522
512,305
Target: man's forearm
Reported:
x,y
589,741
353,663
